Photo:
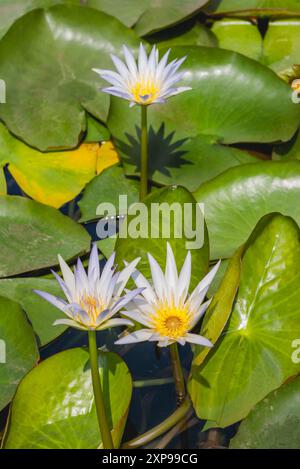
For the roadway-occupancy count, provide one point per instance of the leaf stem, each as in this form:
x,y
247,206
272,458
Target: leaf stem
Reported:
x,y
177,373
160,429
144,153
98,393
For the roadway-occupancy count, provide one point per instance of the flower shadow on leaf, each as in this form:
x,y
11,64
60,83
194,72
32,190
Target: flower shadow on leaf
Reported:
x,y
164,151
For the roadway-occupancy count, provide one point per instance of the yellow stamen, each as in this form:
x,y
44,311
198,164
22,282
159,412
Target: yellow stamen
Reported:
x,y
171,321
145,92
92,306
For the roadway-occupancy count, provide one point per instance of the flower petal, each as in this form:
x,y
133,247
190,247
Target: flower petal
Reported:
x,y
68,276
158,278
198,340
54,300
114,323
138,336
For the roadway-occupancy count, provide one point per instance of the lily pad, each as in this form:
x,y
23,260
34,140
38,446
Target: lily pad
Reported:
x,y
254,7
150,232
54,404
40,313
147,16
282,43
190,33
187,162
240,36
236,199
254,355
274,423
106,188
32,235
18,349
233,99
56,50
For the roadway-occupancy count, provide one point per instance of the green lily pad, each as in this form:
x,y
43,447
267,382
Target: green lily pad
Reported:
x,y
274,423
18,349
186,34
236,199
33,234
282,43
233,99
40,313
151,235
240,36
147,16
106,188
96,132
58,50
186,162
54,404
254,355
254,7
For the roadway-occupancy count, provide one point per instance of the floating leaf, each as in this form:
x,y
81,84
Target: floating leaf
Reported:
x,y
254,7
274,423
54,404
186,34
107,157
236,199
149,232
56,50
254,356
40,313
282,43
18,349
240,36
32,235
96,132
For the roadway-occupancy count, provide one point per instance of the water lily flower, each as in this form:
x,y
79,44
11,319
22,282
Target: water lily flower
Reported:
x,y
166,309
93,298
146,81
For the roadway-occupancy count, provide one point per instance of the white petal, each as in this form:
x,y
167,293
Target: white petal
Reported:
x,y
138,336
124,276
69,323
198,339
202,287
185,278
122,302
138,317
175,91
130,62
68,276
142,62
162,64
81,280
171,273
114,323
94,267
106,276
199,313
121,67
116,92
142,282
54,300
158,278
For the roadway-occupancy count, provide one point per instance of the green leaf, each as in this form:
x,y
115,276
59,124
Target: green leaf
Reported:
x,y
288,151
220,308
147,16
186,162
240,36
54,404
18,349
235,201
3,185
233,99
282,43
106,188
59,48
254,356
40,313
152,234
96,132
32,235
254,7
274,423
186,34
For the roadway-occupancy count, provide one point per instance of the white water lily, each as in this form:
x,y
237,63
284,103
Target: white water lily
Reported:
x,y
93,298
147,81
166,309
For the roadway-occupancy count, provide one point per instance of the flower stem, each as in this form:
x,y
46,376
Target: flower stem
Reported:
x,y
98,393
144,153
177,373
160,429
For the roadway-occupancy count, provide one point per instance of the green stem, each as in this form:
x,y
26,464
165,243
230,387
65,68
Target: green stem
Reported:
x,y
160,429
177,373
98,393
144,153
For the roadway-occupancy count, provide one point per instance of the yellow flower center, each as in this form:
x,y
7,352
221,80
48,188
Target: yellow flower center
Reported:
x,y
145,92
92,306
171,321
